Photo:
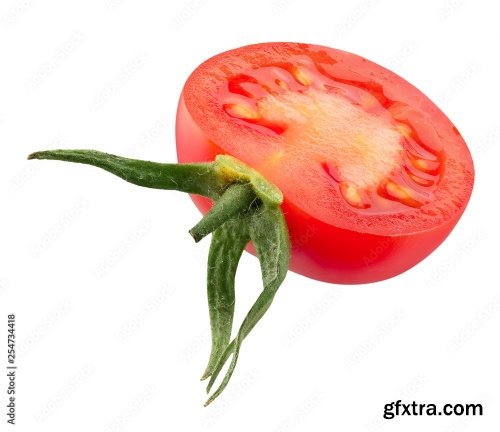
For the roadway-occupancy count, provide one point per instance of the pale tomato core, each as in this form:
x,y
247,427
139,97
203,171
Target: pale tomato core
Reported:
x,y
326,127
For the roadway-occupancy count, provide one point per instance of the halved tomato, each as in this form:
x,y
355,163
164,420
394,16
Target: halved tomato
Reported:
x,y
374,175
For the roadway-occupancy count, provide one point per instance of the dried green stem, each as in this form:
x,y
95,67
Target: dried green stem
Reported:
x,y
198,178
246,207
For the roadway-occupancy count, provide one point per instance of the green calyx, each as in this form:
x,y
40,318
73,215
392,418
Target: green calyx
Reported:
x,y
231,170
246,208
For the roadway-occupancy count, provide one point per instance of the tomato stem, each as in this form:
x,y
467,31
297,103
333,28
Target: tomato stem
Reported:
x,y
197,178
246,207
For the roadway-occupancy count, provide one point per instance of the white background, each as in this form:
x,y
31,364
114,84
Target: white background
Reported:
x,y
109,289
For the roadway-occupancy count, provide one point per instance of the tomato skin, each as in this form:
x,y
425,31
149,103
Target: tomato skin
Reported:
x,y
331,254
326,251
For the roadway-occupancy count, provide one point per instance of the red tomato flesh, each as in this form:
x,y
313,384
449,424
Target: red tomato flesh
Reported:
x,y
374,175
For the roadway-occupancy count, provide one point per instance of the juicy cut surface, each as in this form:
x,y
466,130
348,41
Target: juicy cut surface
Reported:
x,y
345,140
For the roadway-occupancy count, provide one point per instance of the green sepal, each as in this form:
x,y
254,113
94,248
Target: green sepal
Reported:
x,y
233,170
235,201
226,247
269,235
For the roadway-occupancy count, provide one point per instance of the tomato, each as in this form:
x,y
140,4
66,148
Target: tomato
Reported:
x,y
374,175
310,146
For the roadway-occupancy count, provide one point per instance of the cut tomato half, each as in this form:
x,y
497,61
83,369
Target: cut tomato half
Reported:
x,y
374,175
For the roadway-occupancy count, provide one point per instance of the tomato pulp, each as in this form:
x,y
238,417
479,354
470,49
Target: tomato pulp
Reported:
x,y
374,175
